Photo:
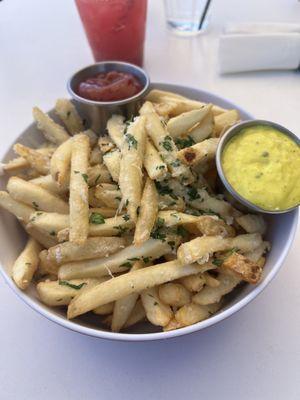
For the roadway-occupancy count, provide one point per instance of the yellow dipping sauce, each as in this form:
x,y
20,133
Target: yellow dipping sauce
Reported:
x,y
263,165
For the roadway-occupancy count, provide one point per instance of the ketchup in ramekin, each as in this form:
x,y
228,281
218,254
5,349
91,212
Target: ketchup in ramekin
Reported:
x,y
110,86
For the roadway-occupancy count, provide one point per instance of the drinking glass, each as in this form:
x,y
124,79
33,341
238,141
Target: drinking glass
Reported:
x,y
187,17
115,28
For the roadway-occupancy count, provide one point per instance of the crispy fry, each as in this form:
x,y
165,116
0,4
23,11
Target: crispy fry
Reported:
x,y
203,151
36,196
67,252
157,312
112,161
124,307
130,178
190,314
204,129
148,213
52,131
46,182
79,205
96,156
116,128
193,283
200,248
138,314
20,210
244,268
115,263
60,164
26,264
132,282
37,160
181,124
174,294
153,163
225,121
67,112
98,174
109,197
252,223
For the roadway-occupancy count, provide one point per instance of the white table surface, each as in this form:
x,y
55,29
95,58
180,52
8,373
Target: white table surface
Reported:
x,y
255,354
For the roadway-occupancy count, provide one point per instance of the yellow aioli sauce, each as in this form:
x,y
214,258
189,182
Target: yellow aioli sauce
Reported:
x,y
263,166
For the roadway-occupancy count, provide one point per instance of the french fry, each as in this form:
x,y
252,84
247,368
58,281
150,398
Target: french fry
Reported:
x,y
79,205
252,223
60,293
247,270
203,151
214,226
18,209
190,314
256,254
105,144
200,248
112,161
132,282
118,262
15,165
49,222
167,202
224,121
116,128
210,280
52,131
60,164
93,201
148,213
26,264
98,174
36,196
204,129
165,145
104,211
105,309
173,218
130,178
193,283
157,312
124,307
96,156
174,294
111,226
67,252
210,295
67,112
181,124
46,182
137,315
109,197
153,163
45,239
35,159
93,137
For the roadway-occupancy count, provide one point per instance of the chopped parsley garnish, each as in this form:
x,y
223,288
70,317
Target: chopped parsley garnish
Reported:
x,y
76,172
160,222
97,218
52,233
160,167
138,210
171,243
35,205
175,163
118,198
39,213
126,217
265,154
28,263
121,229
85,177
167,143
71,285
126,203
156,234
163,190
156,303
182,143
133,259
131,140
181,231
193,193
68,114
97,179
126,264
146,259
217,261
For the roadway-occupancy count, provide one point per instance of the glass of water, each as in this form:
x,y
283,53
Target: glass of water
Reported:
x,y
187,17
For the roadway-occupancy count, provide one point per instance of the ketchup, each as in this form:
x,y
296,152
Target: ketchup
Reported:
x,y
110,86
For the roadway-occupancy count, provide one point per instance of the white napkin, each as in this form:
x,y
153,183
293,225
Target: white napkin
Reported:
x,y
259,46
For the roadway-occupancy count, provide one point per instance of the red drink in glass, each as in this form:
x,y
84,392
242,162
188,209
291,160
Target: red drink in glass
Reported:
x,y
115,28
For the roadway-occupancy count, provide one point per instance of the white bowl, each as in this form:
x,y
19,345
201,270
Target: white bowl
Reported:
x,y
281,232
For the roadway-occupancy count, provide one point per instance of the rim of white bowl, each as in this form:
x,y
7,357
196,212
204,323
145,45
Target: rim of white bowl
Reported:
x,y
138,337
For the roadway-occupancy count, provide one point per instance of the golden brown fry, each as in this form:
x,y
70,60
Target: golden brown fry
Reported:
x,y
148,213
203,151
247,270
112,161
35,196
157,312
193,283
174,294
137,315
35,159
20,210
153,163
98,174
132,282
26,264
204,129
252,223
116,128
79,205
60,164
190,314
46,182
52,131
225,121
67,112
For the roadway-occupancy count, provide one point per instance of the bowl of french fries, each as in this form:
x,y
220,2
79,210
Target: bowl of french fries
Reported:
x,y
126,236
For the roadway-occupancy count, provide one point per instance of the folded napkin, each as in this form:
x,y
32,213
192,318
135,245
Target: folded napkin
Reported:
x,y
259,46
